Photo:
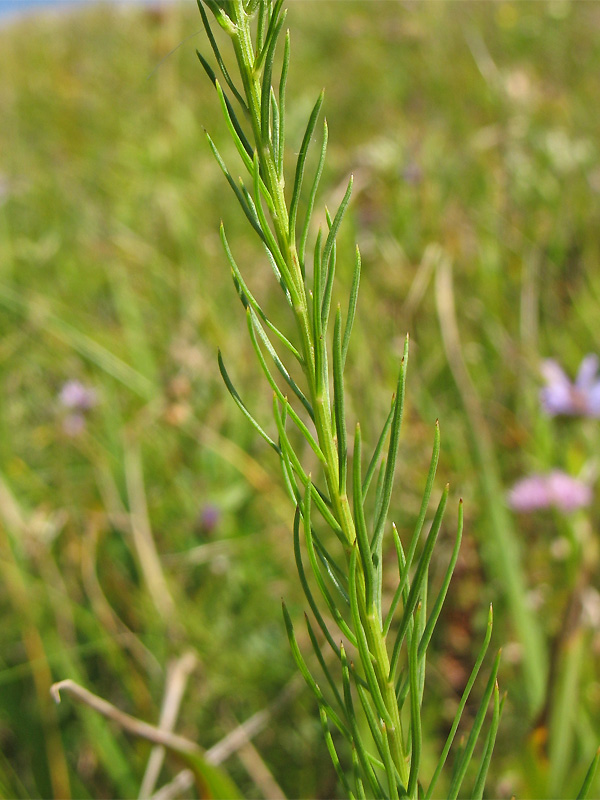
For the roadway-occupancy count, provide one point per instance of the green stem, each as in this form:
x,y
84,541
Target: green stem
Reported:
x,y
244,50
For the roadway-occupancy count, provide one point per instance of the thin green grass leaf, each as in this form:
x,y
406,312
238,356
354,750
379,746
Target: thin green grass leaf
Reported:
x,y
589,777
377,452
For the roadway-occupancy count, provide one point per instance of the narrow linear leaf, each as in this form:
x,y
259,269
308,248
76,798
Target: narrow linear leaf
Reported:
x,y
477,793
415,705
219,58
377,452
282,87
300,164
419,579
388,763
361,526
287,448
338,401
238,401
461,707
312,195
589,777
333,753
337,576
263,55
357,742
372,720
304,582
363,647
224,21
275,126
438,605
419,525
242,145
475,731
351,310
248,298
326,671
328,251
268,236
265,104
248,210
333,610
392,454
305,672
289,380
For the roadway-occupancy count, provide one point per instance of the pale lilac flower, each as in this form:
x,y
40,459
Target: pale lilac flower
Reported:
x,y
561,396
77,400
75,395
553,490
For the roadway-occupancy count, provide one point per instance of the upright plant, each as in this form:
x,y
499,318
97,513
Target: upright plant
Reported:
x,y
374,681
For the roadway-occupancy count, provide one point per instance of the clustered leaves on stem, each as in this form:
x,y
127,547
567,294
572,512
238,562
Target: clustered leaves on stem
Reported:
x,y
375,678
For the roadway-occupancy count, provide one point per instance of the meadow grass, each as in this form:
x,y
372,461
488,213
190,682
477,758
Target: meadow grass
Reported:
x,y
472,134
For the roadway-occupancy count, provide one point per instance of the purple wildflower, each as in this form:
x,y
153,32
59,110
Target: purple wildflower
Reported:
x,y
553,490
209,518
74,395
561,396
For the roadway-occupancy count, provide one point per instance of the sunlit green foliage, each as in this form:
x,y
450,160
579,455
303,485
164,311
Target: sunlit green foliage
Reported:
x,y
473,127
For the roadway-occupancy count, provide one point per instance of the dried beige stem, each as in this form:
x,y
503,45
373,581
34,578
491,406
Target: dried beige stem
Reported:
x,y
177,678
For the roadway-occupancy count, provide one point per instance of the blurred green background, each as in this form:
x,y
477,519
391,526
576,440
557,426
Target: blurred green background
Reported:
x,y
156,522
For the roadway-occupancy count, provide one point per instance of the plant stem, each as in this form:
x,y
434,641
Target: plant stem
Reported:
x,y
369,619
